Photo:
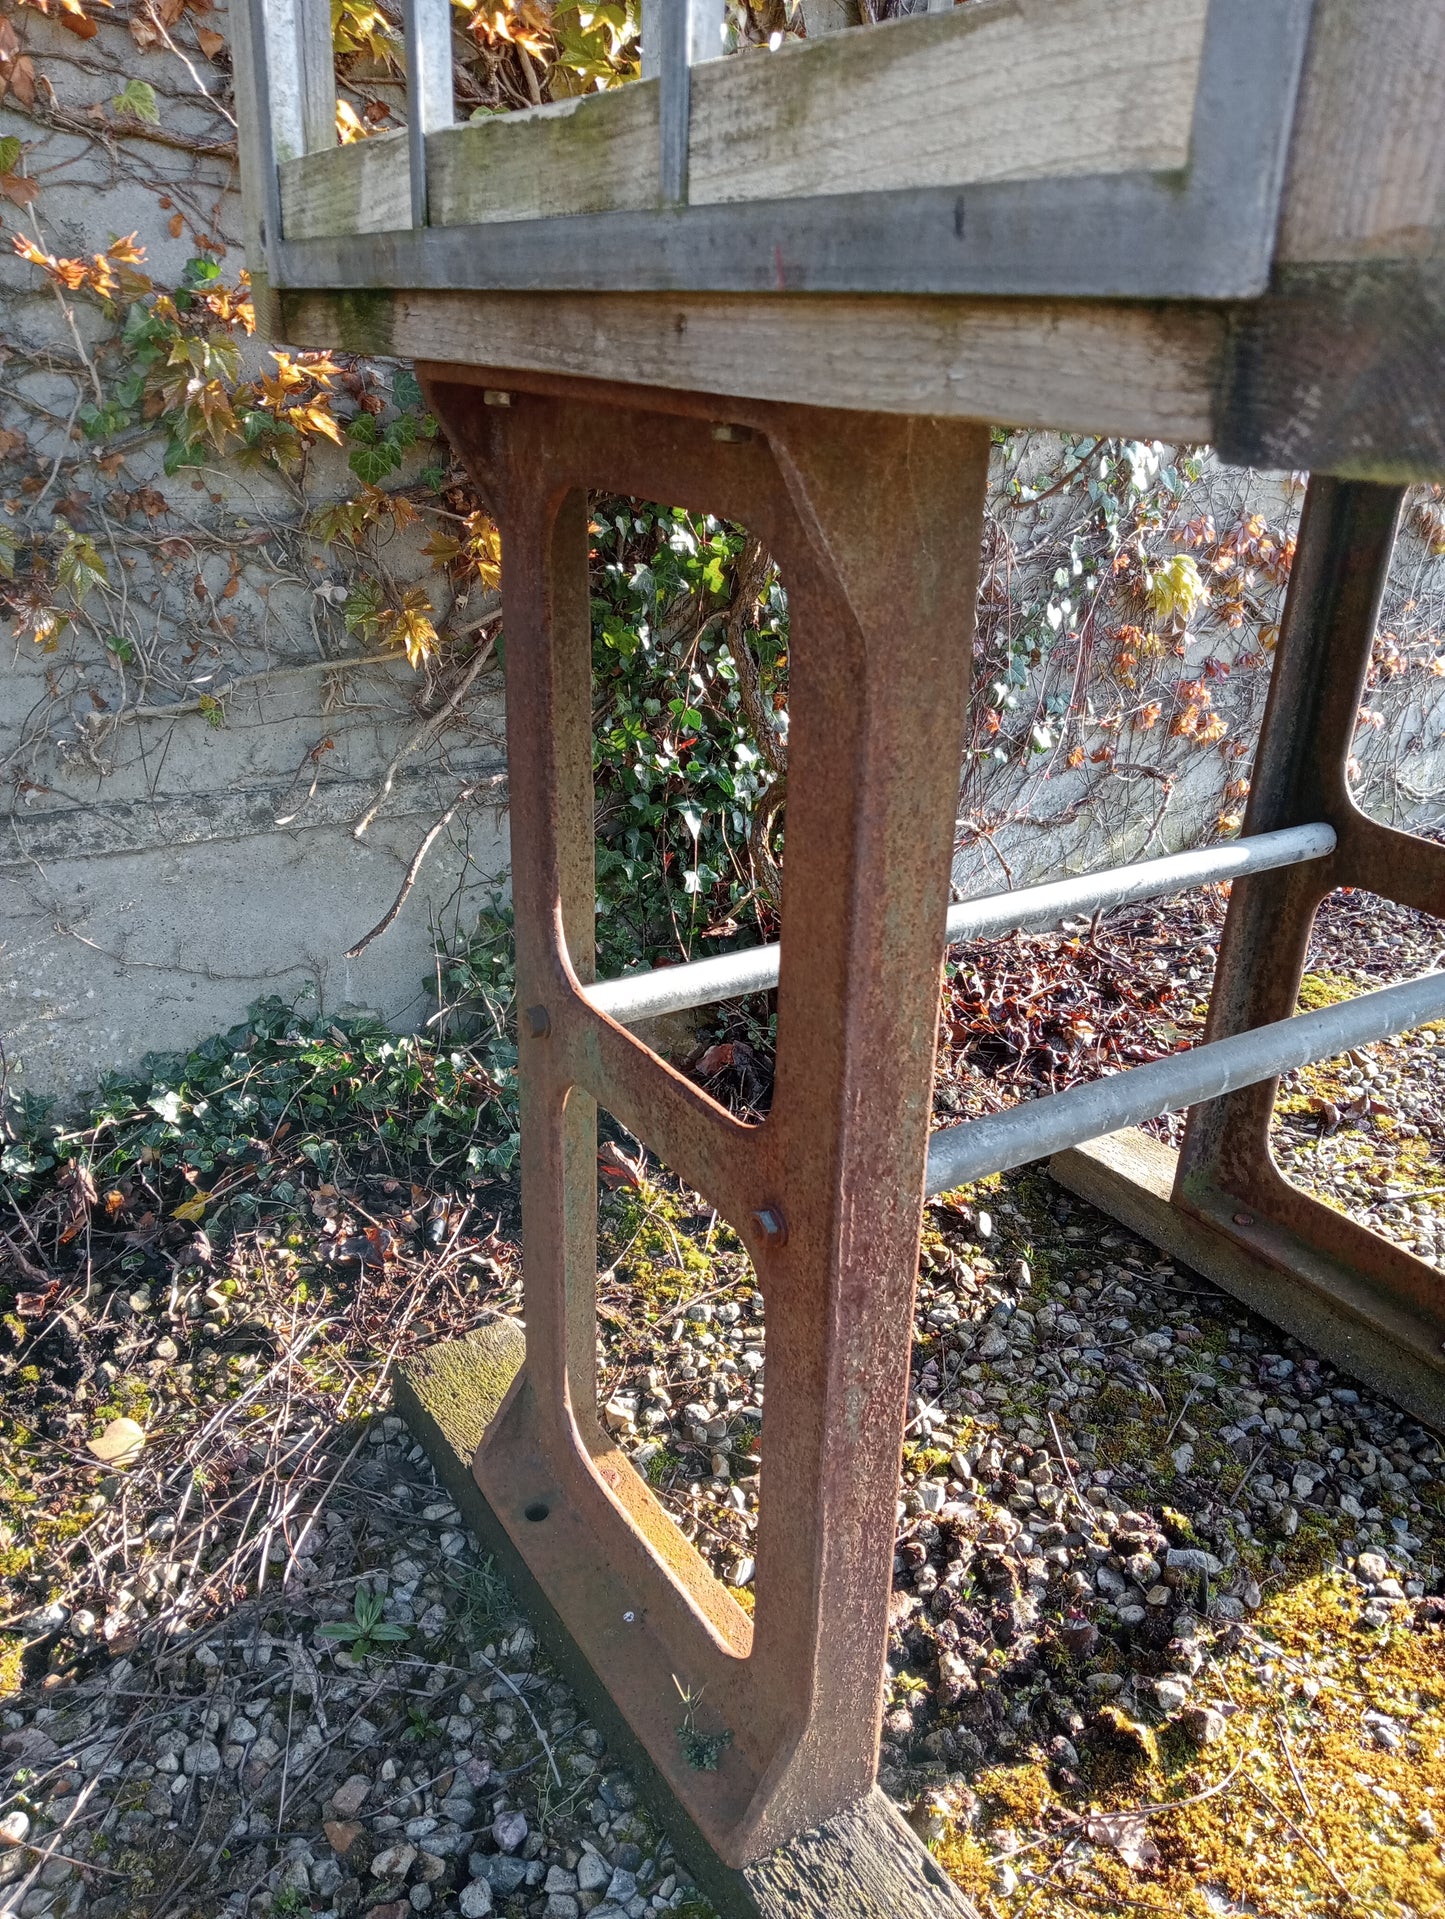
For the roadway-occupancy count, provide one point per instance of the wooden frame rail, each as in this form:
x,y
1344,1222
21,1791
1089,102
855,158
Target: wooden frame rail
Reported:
x,y
997,147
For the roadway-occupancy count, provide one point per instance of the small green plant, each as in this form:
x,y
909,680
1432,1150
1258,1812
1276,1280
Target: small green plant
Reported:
x,y
701,1750
486,1598
367,1631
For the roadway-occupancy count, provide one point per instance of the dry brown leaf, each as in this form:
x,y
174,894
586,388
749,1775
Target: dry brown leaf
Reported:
x,y
121,1443
1126,1833
616,1168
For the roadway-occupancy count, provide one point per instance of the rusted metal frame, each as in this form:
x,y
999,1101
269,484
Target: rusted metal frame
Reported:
x,y
1226,1175
875,524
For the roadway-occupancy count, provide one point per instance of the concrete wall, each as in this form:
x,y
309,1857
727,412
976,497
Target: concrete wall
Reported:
x,y
161,865
168,877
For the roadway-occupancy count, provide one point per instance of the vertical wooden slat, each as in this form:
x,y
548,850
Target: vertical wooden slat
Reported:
x,y
828,16
678,35
260,187
302,75
706,20
429,100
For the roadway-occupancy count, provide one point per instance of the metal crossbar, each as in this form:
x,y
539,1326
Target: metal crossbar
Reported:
x,y
672,989
974,1147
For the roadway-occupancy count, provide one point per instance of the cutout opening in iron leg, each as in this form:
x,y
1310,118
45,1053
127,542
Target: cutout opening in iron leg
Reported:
x,y
680,1353
1365,1133
690,637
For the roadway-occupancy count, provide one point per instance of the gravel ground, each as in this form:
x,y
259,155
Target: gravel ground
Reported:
x,y
1166,1629
265,1766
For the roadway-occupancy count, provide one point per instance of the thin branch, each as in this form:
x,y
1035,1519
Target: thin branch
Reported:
x,y
427,731
468,792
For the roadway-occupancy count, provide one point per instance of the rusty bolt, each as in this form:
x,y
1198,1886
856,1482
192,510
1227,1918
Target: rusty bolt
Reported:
x,y
539,1022
772,1225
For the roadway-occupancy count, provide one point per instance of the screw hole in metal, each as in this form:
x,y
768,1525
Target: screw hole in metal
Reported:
x,y
537,1511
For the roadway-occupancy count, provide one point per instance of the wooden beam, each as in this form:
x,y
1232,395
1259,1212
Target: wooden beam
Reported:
x,y
1367,163
1144,371
1005,90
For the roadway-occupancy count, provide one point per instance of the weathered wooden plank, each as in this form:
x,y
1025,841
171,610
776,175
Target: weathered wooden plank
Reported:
x,y
1367,163
863,1863
1341,370
363,188
999,90
302,76
586,155
1004,90
1144,371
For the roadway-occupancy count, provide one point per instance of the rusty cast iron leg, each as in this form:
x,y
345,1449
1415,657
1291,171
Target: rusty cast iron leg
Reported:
x,y
875,524
1226,1175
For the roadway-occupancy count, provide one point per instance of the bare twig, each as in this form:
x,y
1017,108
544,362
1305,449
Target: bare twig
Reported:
x,y
468,792
427,731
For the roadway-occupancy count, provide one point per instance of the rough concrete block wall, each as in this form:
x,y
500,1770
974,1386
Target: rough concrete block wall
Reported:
x,y
177,871
178,818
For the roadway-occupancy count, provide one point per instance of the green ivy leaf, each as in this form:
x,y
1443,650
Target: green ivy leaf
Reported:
x,y
371,464
10,159
79,567
363,604
405,386
138,98
179,453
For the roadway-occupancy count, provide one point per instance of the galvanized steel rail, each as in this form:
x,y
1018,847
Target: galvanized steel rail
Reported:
x,y
673,989
1038,1127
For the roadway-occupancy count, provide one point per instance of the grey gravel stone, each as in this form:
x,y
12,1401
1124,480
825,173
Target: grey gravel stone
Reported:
x,y
618,1792
350,1796
502,1871
509,1830
593,1872
1190,1559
